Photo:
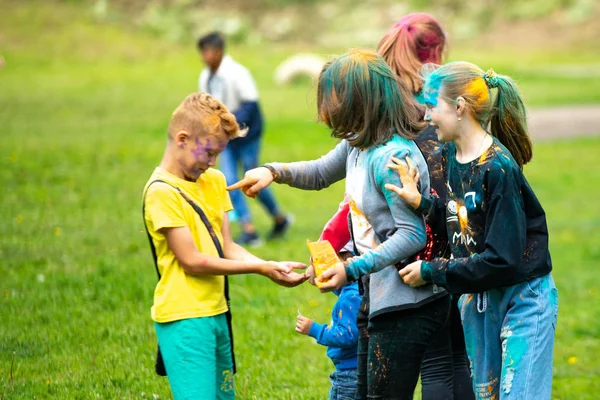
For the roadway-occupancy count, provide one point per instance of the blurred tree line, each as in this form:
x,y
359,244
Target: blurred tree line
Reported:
x,y
327,21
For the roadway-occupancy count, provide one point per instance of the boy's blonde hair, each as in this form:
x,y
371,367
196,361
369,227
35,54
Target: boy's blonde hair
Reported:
x,y
200,112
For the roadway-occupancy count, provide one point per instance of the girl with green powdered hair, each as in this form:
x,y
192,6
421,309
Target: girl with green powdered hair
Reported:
x,y
416,39
374,114
497,229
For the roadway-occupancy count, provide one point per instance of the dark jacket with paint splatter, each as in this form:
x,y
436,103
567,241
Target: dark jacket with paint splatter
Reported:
x,y
341,335
496,225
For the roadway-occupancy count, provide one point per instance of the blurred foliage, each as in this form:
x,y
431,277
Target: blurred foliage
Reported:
x,y
333,21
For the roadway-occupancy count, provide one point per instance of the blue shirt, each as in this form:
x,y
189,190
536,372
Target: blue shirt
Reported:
x,y
341,335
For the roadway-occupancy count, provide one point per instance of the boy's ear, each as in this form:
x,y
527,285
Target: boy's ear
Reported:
x,y
181,138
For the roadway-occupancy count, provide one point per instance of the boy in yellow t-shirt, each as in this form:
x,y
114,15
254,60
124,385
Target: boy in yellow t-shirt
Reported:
x,y
189,302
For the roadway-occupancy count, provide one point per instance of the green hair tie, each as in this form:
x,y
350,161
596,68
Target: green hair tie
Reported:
x,y
491,79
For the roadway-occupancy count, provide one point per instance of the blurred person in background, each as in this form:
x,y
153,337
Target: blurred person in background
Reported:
x,y
232,84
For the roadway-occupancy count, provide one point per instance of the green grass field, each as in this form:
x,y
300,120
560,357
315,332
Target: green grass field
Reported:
x,y
83,114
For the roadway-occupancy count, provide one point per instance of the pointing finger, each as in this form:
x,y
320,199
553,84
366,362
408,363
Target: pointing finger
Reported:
x,y
239,184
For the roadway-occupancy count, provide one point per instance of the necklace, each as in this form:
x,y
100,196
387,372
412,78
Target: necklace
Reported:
x,y
477,155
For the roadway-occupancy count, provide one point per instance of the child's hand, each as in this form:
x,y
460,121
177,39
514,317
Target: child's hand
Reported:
x,y
254,181
282,273
333,279
303,325
411,274
409,176
310,271
310,275
291,279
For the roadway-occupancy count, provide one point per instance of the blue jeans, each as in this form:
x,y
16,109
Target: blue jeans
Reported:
x,y
509,334
343,384
246,155
197,356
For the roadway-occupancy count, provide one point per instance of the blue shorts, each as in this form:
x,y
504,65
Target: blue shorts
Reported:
x,y
197,356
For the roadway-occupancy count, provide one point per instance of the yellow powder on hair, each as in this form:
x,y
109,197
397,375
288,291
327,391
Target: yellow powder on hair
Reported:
x,y
478,89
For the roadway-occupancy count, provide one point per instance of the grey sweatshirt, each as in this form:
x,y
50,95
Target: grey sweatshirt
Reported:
x,y
386,230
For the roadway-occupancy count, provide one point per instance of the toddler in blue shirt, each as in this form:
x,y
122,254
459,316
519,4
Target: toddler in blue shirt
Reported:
x,y
341,339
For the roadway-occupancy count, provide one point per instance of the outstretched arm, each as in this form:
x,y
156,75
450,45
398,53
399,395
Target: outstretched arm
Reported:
x,y
181,243
309,175
234,251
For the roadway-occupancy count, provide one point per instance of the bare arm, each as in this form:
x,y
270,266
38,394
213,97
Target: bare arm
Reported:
x,y
234,251
237,259
181,242
231,249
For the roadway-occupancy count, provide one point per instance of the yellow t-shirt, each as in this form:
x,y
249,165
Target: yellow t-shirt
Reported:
x,y
177,294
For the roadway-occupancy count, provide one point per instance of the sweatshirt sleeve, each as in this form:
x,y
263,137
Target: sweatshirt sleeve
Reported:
x,y
316,174
344,331
246,111
505,239
409,234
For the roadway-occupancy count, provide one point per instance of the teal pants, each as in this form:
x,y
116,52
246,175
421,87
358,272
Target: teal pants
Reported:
x,y
197,356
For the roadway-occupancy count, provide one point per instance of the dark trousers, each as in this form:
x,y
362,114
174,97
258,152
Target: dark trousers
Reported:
x,y
445,367
444,371
393,345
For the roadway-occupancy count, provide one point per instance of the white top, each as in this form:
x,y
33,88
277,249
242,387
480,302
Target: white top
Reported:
x,y
232,84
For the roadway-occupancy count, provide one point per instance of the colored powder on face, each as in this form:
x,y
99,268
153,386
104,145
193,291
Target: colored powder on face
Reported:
x,y
431,91
199,152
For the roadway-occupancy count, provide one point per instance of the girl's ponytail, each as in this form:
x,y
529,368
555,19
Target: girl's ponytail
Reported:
x,y
508,117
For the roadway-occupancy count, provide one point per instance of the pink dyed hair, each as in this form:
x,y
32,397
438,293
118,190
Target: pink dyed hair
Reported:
x,y
415,40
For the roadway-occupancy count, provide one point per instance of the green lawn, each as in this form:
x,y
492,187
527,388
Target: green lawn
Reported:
x,y
83,113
